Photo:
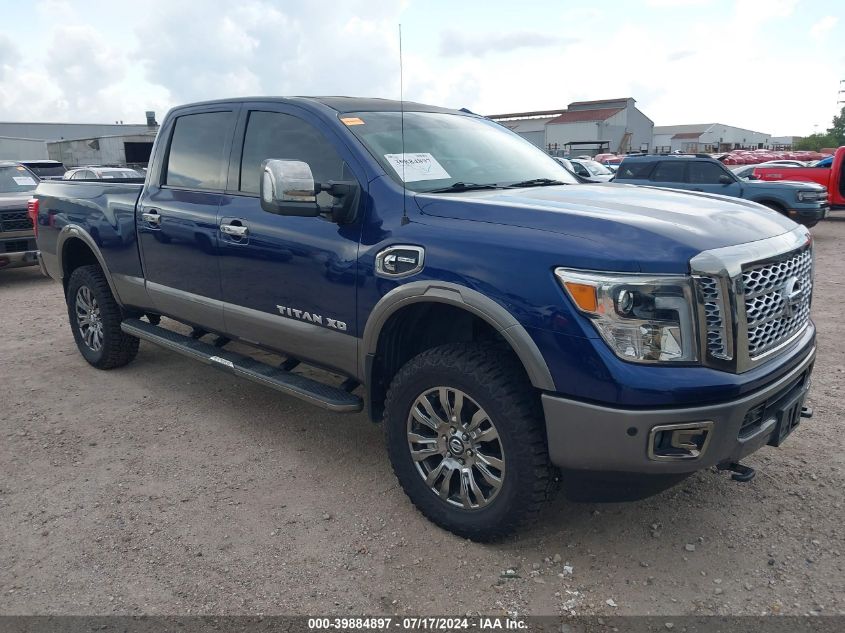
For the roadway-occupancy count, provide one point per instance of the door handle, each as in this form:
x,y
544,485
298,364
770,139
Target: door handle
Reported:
x,y
152,217
234,230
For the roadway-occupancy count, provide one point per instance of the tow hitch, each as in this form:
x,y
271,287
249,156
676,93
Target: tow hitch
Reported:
x,y
739,472
806,412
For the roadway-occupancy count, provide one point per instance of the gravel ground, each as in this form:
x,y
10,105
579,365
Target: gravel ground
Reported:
x,y
168,487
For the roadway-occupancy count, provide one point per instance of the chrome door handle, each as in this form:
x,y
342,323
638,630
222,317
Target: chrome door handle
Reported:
x,y
151,217
234,230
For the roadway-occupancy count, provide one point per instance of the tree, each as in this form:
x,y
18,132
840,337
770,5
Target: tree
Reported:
x,y
834,137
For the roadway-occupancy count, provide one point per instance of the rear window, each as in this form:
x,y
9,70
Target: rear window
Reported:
x,y
669,171
634,170
196,159
46,170
16,180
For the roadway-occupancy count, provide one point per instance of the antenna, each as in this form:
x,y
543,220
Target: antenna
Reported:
x,y
405,219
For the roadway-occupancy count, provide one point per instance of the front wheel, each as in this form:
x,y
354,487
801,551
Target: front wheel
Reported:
x,y
466,440
95,319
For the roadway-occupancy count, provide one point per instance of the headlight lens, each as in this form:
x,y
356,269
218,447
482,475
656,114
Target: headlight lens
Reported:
x,y
643,318
811,196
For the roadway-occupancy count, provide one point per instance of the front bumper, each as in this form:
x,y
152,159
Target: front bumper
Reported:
x,y
18,260
590,437
809,216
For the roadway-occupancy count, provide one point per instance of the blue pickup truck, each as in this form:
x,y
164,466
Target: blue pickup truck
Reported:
x,y
804,202
511,329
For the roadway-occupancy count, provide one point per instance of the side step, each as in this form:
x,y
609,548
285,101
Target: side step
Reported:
x,y
318,393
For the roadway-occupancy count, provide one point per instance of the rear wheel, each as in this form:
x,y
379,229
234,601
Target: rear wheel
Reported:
x,y
465,437
95,319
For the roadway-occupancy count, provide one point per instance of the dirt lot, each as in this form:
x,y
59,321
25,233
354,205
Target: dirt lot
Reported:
x,y
168,487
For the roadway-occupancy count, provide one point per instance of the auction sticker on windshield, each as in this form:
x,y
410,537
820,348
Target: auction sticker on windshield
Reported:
x,y
416,167
23,180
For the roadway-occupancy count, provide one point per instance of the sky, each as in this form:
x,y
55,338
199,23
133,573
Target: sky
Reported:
x,y
769,65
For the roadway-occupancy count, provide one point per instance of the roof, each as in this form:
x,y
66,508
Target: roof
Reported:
x,y
700,128
688,135
340,104
577,116
527,115
600,101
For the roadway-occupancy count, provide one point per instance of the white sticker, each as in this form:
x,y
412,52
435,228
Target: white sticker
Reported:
x,y
23,180
416,167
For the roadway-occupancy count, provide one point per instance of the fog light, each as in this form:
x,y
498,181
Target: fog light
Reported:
x,y
676,442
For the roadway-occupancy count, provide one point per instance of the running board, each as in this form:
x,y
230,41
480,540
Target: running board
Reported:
x,y
318,393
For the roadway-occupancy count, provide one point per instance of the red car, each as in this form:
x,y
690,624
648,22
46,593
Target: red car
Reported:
x,y
832,177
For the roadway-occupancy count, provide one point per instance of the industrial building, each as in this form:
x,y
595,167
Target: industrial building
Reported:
x,y
79,143
584,127
712,137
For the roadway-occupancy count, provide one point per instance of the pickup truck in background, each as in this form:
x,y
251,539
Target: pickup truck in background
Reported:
x,y
508,328
17,238
805,203
831,176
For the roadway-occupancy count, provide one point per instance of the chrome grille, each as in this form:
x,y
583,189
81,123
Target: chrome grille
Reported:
x,y
714,315
770,320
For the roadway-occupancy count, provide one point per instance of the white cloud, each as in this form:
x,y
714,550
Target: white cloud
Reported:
x,y
823,27
453,42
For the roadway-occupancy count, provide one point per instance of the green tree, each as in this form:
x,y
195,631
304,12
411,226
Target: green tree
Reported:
x,y
834,137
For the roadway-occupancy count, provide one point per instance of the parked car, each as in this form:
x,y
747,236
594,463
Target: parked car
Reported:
x,y
805,203
101,173
505,326
17,238
45,169
746,172
591,171
831,177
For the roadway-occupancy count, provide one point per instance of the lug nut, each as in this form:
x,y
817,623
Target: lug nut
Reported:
x,y
469,453
453,430
464,437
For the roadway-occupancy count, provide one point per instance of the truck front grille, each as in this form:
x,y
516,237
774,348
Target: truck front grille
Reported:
x,y
777,300
714,315
15,220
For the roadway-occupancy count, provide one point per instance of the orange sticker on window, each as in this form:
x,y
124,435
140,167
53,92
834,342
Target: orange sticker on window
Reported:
x,y
351,120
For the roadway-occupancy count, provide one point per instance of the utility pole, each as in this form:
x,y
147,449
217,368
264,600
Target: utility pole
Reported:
x,y
841,91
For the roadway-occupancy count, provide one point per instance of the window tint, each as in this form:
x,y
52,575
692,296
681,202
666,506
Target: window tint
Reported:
x,y
638,170
196,157
704,173
669,171
275,135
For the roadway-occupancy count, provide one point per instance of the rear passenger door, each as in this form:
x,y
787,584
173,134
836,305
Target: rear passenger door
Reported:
x,y
177,215
703,175
289,283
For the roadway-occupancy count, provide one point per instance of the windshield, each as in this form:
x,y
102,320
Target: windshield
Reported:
x,y
595,168
16,180
118,173
444,149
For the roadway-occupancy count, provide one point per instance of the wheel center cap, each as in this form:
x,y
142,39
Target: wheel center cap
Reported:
x,y
456,446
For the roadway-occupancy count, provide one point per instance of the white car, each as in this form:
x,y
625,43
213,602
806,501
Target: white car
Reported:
x,y
101,173
745,171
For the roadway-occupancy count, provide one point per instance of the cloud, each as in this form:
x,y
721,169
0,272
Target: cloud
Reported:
x,y
455,43
823,27
679,55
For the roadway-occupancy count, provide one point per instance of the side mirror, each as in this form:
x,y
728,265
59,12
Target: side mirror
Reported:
x,y
752,177
287,188
724,179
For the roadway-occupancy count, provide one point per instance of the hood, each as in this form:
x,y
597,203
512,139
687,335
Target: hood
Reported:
x,y
627,222
785,185
15,199
599,177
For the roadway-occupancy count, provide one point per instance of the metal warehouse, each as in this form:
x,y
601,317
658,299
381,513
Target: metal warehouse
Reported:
x,y
584,127
710,137
103,150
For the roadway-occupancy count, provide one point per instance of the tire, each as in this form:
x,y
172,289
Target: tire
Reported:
x,y
490,380
95,320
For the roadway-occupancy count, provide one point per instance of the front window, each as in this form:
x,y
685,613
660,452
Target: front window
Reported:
x,y
16,180
443,149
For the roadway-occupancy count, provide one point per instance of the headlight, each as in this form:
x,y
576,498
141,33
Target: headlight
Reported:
x,y
643,318
811,196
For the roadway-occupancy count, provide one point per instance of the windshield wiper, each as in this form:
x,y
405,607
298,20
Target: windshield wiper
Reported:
x,y
537,182
464,186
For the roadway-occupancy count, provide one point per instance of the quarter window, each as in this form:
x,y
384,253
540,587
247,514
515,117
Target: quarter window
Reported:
x,y
196,159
